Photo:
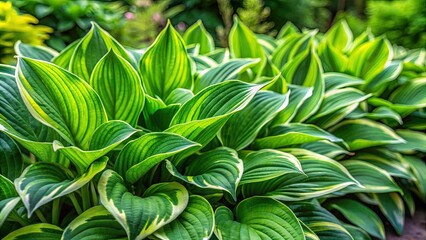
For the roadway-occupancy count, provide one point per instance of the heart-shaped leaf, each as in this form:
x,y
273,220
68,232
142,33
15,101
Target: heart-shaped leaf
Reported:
x,y
197,34
39,231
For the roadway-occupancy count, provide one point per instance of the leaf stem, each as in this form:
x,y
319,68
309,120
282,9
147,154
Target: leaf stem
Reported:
x,y
40,216
15,217
75,203
85,195
94,195
55,211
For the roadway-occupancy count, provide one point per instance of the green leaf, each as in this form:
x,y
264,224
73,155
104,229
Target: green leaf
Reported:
x,y
379,113
91,49
35,52
336,80
195,222
392,206
11,164
370,58
291,47
105,138
378,83
157,114
166,65
94,223
309,234
64,57
242,128
6,207
142,154
179,96
337,99
258,218
7,69
356,232
414,141
372,178
225,71
322,176
119,87
418,168
243,44
39,231
7,188
198,34
360,215
325,225
339,35
41,183
363,133
410,94
332,59
298,96
305,70
61,100
287,29
216,169
141,216
268,164
325,148
292,134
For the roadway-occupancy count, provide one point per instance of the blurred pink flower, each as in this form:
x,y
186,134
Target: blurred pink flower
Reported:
x,y
129,15
156,17
181,26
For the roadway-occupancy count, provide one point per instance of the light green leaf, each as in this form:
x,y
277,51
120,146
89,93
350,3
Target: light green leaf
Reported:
x,y
195,222
142,154
203,63
418,168
412,93
216,169
94,223
370,58
379,113
198,34
157,114
61,100
166,65
7,188
41,183
392,206
258,218
309,234
11,164
379,82
293,134
336,80
287,29
332,59
339,35
298,96
291,46
225,71
325,148
363,133
268,164
325,225
35,52
360,215
242,128
305,70
415,141
91,49
119,87
161,204
64,57
179,96
322,176
243,44
106,137
6,207
38,231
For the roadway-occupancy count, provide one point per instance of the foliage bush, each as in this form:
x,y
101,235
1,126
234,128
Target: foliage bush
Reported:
x,y
269,139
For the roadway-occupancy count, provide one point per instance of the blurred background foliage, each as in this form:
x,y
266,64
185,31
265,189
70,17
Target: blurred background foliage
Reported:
x,y
135,23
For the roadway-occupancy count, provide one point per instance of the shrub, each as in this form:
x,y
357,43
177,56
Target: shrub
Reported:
x,y
267,139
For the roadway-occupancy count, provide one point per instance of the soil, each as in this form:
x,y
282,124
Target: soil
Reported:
x,y
414,229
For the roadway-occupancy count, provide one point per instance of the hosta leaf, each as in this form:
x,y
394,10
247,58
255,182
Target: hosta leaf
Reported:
x,y
198,34
157,114
292,134
225,71
220,55
335,100
356,232
339,35
35,52
258,218
203,63
392,206
61,100
95,223
64,57
322,176
119,88
287,29
39,231
363,133
41,183
418,168
141,216
6,207
242,128
379,82
325,225
309,234
268,164
195,222
291,46
91,49
7,188
7,69
325,148
379,113
412,94
166,65
360,215
243,44
369,59
140,155
106,137
216,169
415,141
179,96
298,96
11,164
332,59
372,178
335,80
305,70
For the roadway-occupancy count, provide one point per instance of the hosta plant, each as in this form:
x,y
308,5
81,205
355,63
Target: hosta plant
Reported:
x,y
299,137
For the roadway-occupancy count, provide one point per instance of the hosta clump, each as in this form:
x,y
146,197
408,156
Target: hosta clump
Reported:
x,y
269,139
